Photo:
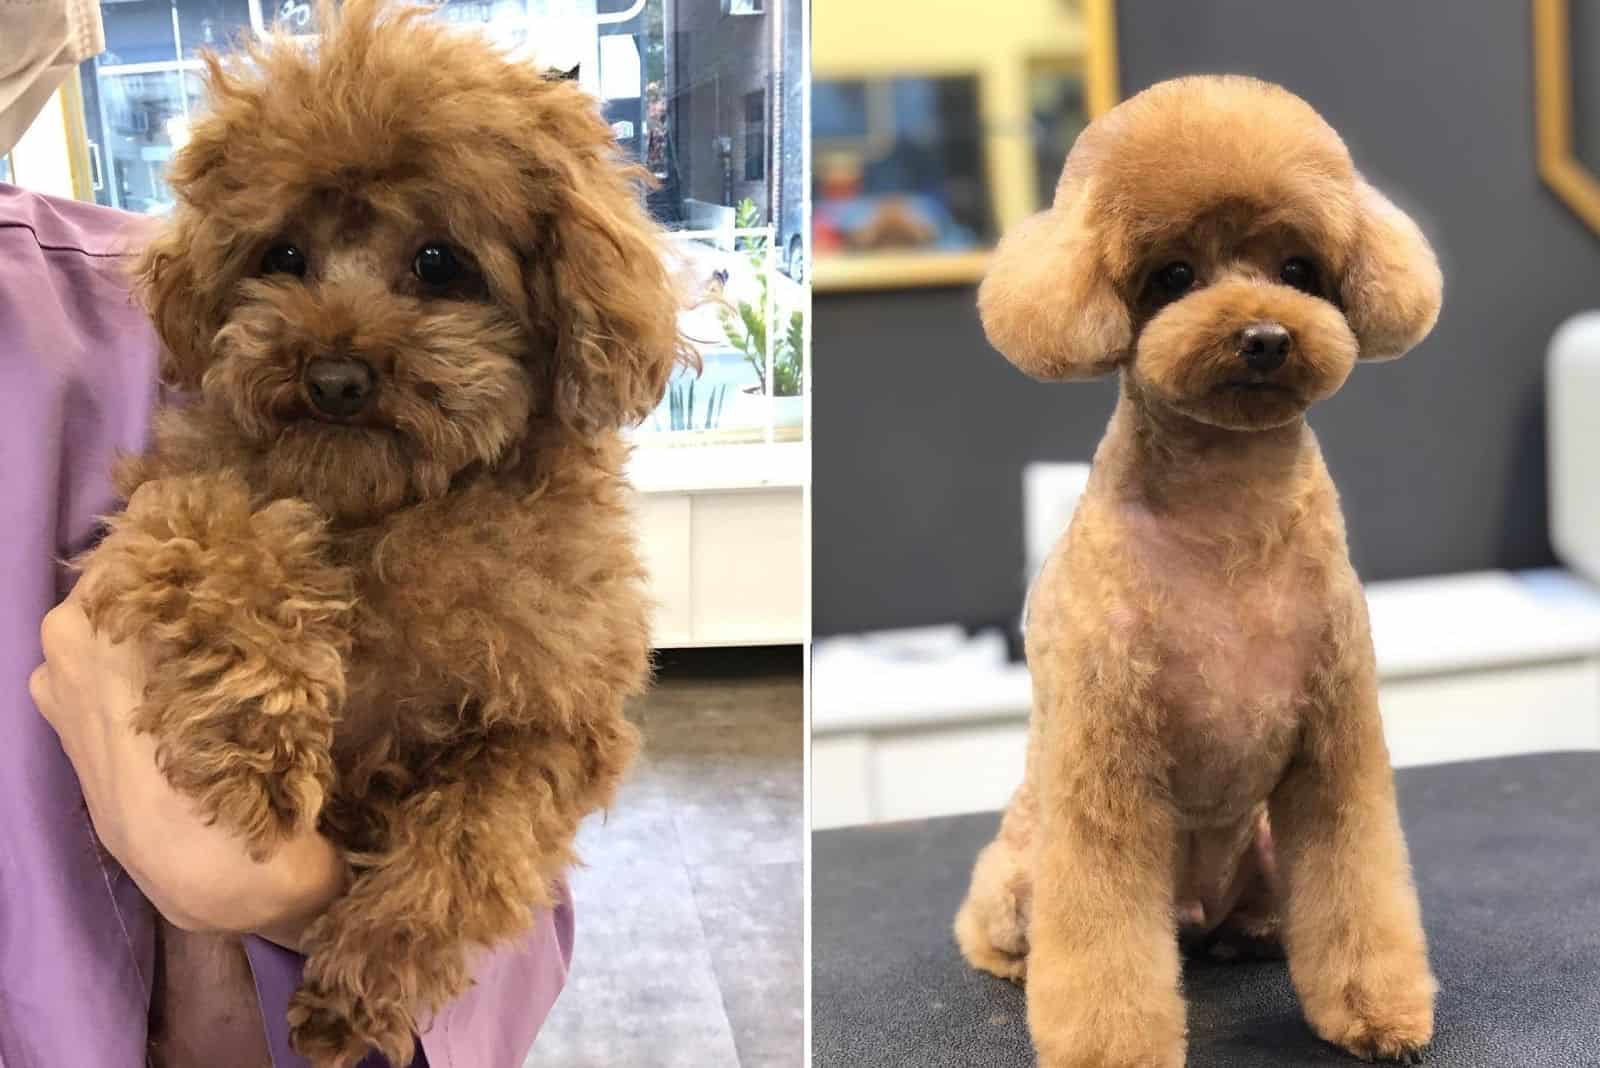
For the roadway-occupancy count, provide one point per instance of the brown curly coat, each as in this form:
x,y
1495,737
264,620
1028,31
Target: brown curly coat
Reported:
x,y
416,628
1205,698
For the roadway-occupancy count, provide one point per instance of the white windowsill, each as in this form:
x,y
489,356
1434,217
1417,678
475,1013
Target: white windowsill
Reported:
x,y
719,468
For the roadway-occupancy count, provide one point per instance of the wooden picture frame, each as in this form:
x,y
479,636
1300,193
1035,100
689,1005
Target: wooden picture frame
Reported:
x,y
1559,165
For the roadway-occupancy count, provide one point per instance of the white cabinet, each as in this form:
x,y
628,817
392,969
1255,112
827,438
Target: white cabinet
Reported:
x,y
723,533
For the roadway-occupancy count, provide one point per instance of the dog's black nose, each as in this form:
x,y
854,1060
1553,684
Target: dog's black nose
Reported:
x,y
339,386
1264,346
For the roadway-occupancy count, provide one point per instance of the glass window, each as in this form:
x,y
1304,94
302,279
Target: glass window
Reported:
x,y
707,94
755,136
5,168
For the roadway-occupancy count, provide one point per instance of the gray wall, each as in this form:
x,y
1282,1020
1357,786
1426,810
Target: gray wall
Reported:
x,y
921,430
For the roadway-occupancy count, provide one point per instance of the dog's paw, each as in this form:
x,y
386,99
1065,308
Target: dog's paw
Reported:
x,y
1106,1059
246,624
1002,952
331,1033
992,926
1393,1027
1001,965
1243,942
1108,1021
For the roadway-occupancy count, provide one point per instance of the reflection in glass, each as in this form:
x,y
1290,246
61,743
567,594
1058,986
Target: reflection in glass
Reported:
x,y
900,165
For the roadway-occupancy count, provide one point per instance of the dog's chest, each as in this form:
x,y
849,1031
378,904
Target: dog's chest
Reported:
x,y
1233,657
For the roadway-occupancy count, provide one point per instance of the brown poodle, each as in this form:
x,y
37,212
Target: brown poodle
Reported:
x,y
384,560
1198,641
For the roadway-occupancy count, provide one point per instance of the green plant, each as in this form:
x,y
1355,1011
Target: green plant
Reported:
x,y
680,406
746,328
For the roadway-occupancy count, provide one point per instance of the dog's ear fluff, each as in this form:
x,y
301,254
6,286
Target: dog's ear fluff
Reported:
x,y
611,305
1392,286
1047,302
181,304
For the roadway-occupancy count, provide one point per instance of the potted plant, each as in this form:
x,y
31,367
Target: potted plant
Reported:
x,y
745,325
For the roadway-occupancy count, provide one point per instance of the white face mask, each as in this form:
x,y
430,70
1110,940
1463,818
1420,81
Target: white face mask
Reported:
x,y
41,41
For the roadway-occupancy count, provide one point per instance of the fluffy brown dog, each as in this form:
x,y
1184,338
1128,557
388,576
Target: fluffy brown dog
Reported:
x,y
1198,641
384,561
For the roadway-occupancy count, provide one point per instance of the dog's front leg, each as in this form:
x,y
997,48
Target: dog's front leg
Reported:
x,y
466,858
244,623
1354,936
1103,965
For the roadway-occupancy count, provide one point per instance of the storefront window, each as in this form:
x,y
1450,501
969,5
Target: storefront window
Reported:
x,y
707,94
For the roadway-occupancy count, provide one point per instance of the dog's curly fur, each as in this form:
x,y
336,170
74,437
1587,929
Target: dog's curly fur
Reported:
x,y
1205,698
413,628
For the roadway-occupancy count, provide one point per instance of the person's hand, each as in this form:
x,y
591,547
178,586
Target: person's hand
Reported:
x,y
198,876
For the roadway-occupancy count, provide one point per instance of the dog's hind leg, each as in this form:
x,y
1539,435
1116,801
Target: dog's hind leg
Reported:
x,y
992,926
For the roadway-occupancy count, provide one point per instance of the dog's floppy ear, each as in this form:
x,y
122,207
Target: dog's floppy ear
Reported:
x,y
185,312
1047,302
610,304
1392,286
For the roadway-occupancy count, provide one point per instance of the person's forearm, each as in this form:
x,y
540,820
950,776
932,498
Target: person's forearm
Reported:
x,y
311,875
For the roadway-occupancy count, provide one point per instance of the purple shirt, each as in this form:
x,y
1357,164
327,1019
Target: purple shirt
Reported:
x,y
78,382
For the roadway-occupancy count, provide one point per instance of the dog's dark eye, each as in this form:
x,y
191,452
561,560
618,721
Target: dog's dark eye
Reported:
x,y
284,259
436,264
1299,273
1174,280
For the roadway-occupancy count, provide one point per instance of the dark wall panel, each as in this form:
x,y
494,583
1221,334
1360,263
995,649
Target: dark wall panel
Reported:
x,y
922,430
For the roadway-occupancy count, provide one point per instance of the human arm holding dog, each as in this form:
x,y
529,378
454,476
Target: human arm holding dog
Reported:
x,y
196,874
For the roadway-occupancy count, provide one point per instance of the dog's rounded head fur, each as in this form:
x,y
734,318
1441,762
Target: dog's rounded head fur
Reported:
x,y
1185,216
550,305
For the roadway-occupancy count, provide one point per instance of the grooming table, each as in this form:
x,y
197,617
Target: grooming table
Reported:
x,y
1507,859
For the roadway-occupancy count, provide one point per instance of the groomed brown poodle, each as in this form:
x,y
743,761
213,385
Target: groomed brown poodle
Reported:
x,y
384,560
1205,752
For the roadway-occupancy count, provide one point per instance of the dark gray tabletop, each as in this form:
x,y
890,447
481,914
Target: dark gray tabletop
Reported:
x,y
1507,857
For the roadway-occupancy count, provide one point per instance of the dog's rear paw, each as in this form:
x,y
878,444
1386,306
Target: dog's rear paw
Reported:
x,y
1001,949
992,926
1244,943
991,960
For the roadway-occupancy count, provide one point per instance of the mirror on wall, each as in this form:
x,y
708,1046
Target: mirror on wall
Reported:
x,y
937,124
1566,40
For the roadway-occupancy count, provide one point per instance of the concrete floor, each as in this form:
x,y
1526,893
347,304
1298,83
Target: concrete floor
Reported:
x,y
689,915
